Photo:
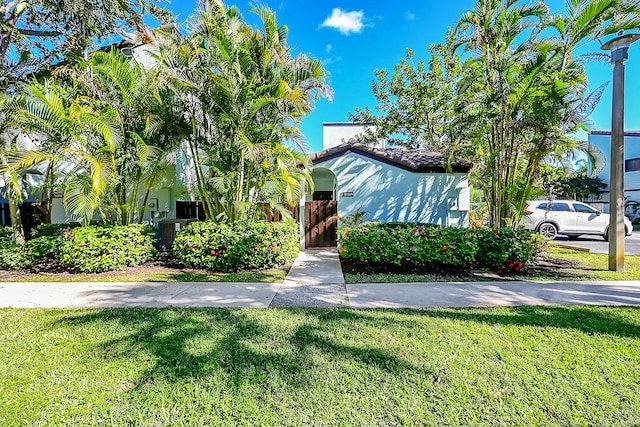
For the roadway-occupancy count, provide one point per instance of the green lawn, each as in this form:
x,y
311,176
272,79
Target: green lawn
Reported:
x,y
265,276
588,266
507,366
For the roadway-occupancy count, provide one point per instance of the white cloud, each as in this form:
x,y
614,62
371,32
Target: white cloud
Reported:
x,y
328,48
345,22
410,15
332,60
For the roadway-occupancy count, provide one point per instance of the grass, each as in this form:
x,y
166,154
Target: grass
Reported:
x,y
266,276
588,266
504,366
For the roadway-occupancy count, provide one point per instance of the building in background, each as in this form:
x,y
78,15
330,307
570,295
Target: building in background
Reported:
x,y
601,141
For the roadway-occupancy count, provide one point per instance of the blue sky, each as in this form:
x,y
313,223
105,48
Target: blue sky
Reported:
x,y
353,38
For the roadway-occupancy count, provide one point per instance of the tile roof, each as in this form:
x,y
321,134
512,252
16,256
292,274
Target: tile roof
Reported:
x,y
419,160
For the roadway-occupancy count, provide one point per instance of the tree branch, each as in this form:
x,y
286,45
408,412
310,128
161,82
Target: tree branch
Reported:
x,y
38,33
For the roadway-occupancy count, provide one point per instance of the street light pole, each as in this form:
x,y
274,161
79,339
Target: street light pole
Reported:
x,y
619,47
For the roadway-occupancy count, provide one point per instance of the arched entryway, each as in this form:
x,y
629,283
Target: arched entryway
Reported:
x,y
321,208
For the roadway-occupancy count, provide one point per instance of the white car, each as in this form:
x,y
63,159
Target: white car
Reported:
x,y
567,217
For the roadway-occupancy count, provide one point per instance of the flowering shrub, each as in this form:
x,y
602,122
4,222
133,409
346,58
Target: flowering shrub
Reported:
x,y
504,249
414,244
95,249
226,247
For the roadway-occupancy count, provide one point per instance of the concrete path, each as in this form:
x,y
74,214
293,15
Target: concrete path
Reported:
x,y
137,294
491,294
316,280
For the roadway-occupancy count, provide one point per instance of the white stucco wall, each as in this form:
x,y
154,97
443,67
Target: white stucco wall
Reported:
x,y
389,193
334,134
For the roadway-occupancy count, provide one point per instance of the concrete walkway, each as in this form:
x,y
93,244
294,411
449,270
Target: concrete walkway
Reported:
x,y
316,280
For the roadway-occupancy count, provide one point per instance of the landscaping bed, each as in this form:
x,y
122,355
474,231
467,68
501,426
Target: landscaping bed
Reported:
x,y
161,269
203,251
554,263
545,267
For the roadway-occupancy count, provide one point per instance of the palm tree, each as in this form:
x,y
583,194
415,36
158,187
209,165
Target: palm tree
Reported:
x,y
245,95
524,93
65,127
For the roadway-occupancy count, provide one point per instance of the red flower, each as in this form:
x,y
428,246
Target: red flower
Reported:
x,y
190,245
470,262
499,272
346,234
213,252
444,247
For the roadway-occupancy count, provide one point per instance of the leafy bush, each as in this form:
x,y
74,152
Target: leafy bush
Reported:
x,y
226,247
52,230
505,249
415,244
95,249
13,256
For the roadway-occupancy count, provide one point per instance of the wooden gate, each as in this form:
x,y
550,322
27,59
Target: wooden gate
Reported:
x,y
320,223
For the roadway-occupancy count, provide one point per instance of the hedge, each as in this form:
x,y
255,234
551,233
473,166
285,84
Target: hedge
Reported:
x,y
236,246
94,249
416,244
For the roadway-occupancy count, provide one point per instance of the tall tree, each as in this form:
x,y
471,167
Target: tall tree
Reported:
x,y
244,94
35,34
515,99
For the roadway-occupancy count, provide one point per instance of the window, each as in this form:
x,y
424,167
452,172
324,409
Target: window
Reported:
x,y
632,165
556,207
579,207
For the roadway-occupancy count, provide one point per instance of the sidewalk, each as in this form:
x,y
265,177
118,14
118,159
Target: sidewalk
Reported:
x,y
316,280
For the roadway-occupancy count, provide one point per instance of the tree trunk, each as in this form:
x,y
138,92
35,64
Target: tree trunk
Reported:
x,y
14,209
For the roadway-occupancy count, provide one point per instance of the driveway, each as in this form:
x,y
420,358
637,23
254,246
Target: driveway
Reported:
x,y
597,245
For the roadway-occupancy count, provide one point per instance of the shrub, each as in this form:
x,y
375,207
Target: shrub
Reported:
x,y
236,246
505,249
95,249
414,244
52,230
13,256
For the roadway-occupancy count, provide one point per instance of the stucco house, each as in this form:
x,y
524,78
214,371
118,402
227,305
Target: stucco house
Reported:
x,y
389,184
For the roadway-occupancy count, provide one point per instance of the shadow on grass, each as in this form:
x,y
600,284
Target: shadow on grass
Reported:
x,y
587,319
240,345
290,348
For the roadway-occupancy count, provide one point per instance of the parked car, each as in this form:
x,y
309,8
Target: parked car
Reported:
x,y
567,217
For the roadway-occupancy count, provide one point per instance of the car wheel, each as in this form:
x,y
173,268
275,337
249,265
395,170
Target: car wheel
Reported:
x,y
548,231
606,233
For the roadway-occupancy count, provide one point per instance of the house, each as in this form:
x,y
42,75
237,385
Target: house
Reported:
x,y
389,184
601,142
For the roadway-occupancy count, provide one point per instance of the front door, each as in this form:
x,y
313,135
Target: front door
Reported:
x,y
320,223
